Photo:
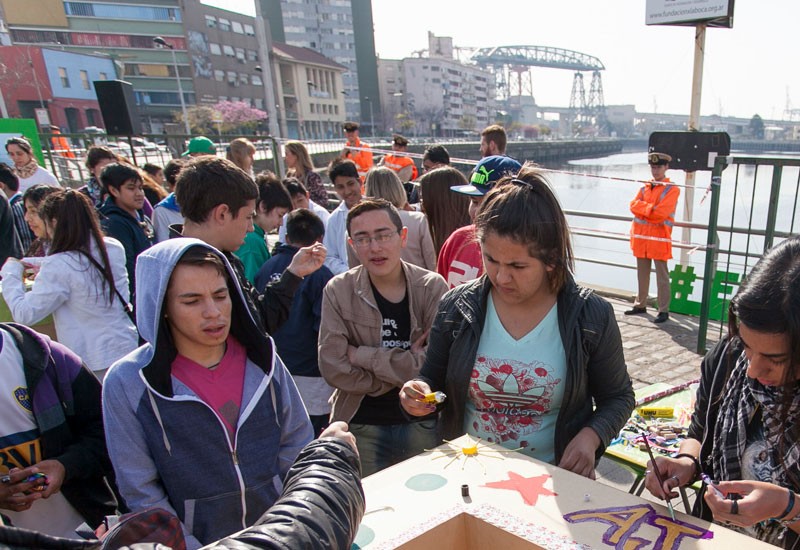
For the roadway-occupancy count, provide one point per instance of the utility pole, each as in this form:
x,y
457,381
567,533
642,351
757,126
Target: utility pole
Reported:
x,y
265,54
694,126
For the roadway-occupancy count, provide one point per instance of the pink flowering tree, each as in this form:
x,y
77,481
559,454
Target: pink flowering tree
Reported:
x,y
239,116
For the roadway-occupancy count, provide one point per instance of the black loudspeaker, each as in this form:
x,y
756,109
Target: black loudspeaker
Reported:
x,y
118,107
690,150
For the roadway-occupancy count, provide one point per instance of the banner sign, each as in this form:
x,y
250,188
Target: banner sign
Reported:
x,y
715,13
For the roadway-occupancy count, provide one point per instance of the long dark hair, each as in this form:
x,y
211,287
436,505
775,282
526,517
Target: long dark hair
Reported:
x,y
525,210
769,301
76,224
446,210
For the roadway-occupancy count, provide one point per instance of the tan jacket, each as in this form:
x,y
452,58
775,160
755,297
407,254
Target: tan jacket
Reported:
x,y
350,317
419,248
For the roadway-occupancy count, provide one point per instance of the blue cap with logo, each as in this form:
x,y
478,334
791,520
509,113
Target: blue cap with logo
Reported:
x,y
487,172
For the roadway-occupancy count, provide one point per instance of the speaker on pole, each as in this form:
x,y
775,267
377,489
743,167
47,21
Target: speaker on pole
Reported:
x,y
118,107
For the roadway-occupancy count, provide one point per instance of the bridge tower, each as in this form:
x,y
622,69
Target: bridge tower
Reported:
x,y
511,66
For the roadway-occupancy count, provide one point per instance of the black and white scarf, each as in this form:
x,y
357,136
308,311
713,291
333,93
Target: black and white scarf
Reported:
x,y
742,399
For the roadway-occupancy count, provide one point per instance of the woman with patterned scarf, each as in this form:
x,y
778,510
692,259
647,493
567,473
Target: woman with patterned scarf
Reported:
x,y
745,430
25,166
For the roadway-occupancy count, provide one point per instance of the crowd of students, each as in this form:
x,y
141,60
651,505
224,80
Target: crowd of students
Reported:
x,y
221,360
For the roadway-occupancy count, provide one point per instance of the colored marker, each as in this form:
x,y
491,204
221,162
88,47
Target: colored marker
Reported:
x,y
710,483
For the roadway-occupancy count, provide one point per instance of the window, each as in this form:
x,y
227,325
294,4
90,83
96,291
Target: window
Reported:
x,y
116,11
103,76
231,77
237,27
256,80
312,107
85,80
224,24
244,79
62,74
249,30
211,22
219,76
92,117
214,48
259,103
240,54
252,55
228,51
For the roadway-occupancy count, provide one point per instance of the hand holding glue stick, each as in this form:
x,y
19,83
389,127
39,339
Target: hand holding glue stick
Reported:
x,y
417,398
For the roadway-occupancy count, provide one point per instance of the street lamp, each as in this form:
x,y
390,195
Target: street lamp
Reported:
x,y
164,44
371,117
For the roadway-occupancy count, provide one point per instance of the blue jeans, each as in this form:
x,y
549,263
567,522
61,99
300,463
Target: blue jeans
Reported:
x,y
384,446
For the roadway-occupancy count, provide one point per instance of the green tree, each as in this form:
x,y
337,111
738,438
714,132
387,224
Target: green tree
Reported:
x,y
756,127
467,122
201,118
403,122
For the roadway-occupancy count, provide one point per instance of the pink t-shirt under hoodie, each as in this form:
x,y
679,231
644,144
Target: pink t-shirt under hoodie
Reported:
x,y
220,388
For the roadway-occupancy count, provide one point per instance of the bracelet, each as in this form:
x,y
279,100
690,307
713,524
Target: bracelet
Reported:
x,y
789,521
697,469
788,507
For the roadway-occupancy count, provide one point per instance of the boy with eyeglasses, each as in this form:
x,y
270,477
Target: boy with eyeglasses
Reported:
x,y
373,337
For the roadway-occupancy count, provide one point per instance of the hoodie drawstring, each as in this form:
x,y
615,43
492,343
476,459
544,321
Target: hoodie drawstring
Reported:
x,y
160,422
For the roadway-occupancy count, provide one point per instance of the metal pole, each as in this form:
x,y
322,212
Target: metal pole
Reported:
x,y
270,86
712,250
694,125
180,91
371,119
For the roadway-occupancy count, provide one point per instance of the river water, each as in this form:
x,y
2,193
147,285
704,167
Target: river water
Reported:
x,y
740,205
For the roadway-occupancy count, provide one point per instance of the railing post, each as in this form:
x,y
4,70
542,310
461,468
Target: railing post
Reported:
x,y
772,213
712,249
277,158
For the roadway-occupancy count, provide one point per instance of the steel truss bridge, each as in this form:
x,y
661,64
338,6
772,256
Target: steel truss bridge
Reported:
x,y
511,66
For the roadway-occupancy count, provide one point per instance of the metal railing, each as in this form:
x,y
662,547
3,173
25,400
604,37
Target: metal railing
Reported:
x,y
765,195
761,208
69,165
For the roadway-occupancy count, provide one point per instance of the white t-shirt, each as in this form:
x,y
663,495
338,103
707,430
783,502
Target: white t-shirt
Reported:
x,y
20,447
41,176
316,209
517,386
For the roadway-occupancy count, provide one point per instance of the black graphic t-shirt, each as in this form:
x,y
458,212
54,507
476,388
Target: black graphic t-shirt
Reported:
x,y
395,333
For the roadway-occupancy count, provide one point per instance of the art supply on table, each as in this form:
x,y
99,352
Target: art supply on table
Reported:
x,y
669,391
657,472
658,412
710,483
436,398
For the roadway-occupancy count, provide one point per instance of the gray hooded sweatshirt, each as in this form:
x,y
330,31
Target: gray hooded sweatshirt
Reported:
x,y
169,448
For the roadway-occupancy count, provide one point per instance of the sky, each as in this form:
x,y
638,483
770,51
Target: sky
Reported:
x,y
749,69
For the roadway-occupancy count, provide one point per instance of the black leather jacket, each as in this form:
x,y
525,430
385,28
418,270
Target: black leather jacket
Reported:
x,y
321,507
596,369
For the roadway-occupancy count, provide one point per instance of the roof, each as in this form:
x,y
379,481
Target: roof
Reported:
x,y
304,55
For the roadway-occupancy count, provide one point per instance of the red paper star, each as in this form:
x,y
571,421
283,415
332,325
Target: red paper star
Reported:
x,y
531,488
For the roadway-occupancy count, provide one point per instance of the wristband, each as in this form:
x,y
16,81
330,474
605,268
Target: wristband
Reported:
x,y
788,507
697,469
789,521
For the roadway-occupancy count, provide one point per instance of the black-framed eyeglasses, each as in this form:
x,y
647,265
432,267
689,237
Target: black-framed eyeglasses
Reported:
x,y
380,238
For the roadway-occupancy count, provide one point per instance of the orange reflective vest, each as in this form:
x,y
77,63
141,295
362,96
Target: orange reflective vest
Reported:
x,y
654,211
397,163
61,146
363,159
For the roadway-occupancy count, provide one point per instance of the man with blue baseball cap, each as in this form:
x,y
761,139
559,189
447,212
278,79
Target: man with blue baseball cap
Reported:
x,y
460,258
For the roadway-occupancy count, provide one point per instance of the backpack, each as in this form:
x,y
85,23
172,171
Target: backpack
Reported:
x,y
153,525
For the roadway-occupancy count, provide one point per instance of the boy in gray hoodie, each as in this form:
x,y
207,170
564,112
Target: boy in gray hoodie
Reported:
x,y
204,419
